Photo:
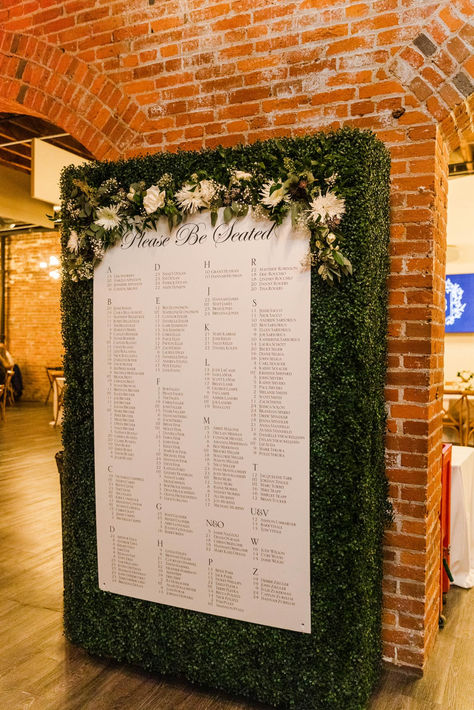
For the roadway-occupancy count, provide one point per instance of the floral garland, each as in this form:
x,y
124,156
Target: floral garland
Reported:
x,y
99,217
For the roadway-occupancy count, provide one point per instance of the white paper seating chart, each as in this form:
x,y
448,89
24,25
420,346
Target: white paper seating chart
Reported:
x,y
201,406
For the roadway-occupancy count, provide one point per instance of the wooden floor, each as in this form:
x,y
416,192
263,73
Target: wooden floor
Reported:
x,y
42,671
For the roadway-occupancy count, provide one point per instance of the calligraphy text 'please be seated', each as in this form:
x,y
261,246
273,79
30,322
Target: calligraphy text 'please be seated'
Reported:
x,y
193,233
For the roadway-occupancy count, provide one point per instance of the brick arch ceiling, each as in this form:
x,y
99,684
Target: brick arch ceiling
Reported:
x,y
40,79
437,67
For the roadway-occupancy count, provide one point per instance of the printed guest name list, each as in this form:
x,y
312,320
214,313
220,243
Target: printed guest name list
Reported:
x,y
201,414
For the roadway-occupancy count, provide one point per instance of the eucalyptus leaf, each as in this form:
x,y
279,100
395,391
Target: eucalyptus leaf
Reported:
x,y
339,258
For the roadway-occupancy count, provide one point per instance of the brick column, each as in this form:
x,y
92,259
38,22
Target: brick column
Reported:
x,y
414,394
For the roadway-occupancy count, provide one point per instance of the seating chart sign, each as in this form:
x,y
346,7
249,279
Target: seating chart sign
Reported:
x,y
201,411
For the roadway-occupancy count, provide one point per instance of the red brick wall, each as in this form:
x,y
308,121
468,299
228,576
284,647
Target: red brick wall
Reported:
x,y
414,390
128,78
33,322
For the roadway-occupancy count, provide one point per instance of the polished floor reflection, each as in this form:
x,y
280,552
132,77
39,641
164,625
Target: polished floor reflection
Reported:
x,y
40,670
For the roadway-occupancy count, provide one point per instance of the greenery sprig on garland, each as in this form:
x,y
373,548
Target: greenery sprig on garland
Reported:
x,y
98,217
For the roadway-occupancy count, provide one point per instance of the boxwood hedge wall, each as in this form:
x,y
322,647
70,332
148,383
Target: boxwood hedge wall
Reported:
x,y
335,666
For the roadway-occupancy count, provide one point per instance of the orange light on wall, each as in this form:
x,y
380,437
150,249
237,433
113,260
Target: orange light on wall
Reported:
x,y
52,261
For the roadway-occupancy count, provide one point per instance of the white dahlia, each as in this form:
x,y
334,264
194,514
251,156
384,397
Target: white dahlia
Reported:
x,y
189,198
108,217
327,206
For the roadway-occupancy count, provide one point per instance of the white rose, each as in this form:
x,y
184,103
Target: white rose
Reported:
x,y
207,190
276,197
154,198
240,175
131,194
271,197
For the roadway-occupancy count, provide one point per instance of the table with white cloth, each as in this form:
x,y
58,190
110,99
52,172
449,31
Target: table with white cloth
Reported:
x,y
462,516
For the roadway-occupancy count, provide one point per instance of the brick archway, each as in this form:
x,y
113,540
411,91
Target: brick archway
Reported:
x,y
40,79
437,67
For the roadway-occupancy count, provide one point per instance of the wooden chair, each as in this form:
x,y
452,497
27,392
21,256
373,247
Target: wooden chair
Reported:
x,y
453,415
10,392
51,373
60,387
7,396
468,424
